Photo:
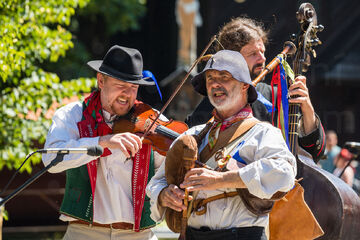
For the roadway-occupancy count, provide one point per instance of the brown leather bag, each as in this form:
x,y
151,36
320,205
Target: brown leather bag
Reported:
x,y
184,148
257,205
291,218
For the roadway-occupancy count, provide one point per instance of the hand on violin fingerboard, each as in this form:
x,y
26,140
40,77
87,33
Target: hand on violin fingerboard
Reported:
x,y
126,142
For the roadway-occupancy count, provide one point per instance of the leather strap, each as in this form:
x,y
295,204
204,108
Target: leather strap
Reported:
x,y
227,136
199,205
118,225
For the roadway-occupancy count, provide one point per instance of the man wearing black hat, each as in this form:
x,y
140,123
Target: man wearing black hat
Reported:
x,y
255,154
105,197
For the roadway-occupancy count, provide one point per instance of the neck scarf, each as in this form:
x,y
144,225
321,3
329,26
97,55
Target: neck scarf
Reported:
x,y
93,125
220,125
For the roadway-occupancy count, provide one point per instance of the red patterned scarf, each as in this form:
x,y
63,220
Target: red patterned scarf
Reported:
x,y
220,125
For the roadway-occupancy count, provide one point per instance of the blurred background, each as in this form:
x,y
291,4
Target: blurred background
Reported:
x,y
170,35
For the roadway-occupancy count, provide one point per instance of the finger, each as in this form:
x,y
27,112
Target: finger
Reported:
x,y
123,149
190,183
299,92
173,199
133,137
297,85
137,139
301,79
298,100
196,188
129,146
134,141
192,172
166,199
179,193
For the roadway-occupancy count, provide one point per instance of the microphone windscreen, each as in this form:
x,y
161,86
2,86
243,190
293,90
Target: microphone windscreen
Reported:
x,y
95,151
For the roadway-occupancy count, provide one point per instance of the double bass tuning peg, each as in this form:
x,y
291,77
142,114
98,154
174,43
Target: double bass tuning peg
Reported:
x,y
319,28
313,52
314,42
293,37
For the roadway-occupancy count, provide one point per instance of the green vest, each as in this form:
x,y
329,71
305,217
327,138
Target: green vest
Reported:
x,y
78,203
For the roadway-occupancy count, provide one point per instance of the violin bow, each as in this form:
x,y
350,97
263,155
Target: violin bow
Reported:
x,y
178,87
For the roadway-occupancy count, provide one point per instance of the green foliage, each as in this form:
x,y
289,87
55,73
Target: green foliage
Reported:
x,y
32,32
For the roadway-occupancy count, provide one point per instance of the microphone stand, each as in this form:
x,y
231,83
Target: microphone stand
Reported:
x,y
59,158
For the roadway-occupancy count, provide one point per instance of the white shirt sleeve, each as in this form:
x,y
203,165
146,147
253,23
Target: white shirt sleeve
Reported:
x,y
158,160
64,133
273,167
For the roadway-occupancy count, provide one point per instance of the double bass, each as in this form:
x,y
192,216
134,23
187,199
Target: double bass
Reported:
x,y
334,204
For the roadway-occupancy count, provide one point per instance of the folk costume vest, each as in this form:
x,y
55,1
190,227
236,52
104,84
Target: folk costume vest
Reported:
x,y
78,199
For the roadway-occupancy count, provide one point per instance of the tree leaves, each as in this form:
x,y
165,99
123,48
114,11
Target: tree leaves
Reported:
x,y
32,32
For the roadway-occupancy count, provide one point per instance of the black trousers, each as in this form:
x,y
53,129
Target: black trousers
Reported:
x,y
243,233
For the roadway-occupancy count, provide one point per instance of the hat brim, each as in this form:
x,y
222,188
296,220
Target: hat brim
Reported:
x,y
96,66
199,84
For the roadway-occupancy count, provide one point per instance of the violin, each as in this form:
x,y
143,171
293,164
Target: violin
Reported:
x,y
141,117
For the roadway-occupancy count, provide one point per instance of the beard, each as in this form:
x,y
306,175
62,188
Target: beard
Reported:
x,y
232,98
254,73
120,112
119,109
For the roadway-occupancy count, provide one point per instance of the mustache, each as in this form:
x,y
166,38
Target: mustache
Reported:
x,y
256,66
218,89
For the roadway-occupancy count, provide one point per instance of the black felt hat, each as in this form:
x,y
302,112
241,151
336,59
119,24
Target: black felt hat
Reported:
x,y
122,63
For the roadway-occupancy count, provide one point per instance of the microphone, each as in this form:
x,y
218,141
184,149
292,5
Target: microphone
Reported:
x,y
92,151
